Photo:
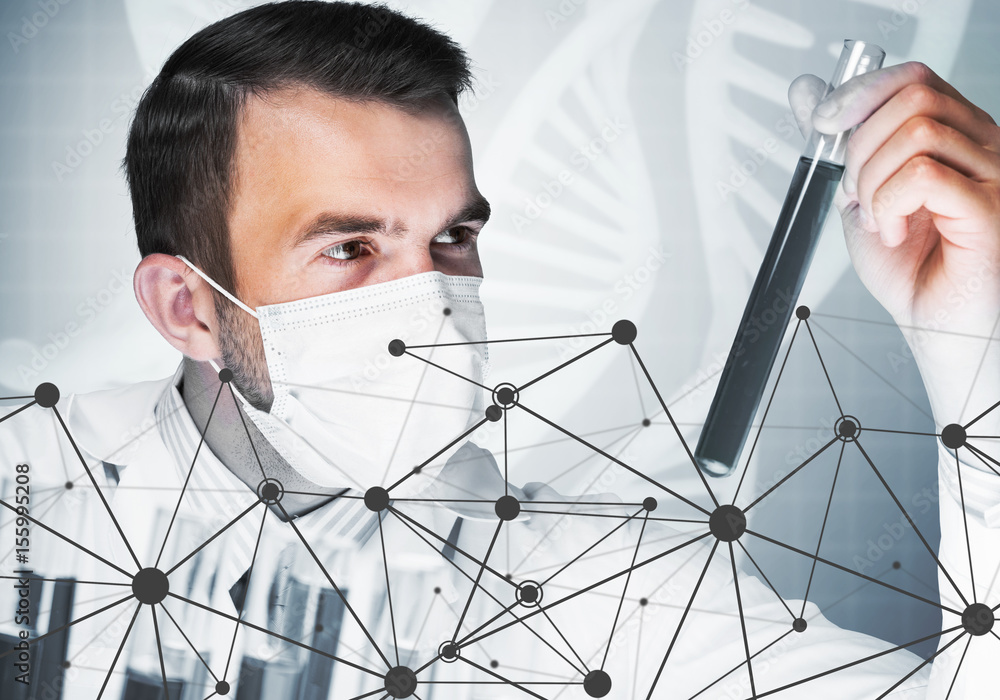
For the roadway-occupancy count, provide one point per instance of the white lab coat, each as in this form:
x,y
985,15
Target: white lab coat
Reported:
x,y
429,593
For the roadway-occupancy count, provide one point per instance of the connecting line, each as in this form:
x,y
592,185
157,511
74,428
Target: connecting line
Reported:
x,y
35,640
983,457
566,363
589,588
253,562
121,646
680,624
790,474
329,578
823,365
958,668
193,648
617,461
388,591
493,597
766,579
445,369
437,454
93,481
16,411
505,680
506,482
858,662
479,576
368,695
677,430
965,521
767,408
581,554
232,392
583,664
194,460
819,542
922,664
212,538
979,367
899,505
875,372
740,665
743,623
65,539
274,634
57,580
981,415
804,553
159,651
621,601
494,342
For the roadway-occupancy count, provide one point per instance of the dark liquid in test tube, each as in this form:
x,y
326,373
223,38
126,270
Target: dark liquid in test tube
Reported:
x,y
768,312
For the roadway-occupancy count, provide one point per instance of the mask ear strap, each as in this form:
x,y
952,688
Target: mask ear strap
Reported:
x,y
217,286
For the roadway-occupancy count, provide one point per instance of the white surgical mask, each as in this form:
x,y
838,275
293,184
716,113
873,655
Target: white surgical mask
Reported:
x,y
347,412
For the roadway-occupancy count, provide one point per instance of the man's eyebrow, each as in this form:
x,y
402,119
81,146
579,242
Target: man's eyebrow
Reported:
x,y
328,223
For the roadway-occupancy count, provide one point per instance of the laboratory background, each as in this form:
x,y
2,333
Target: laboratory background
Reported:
x,y
636,154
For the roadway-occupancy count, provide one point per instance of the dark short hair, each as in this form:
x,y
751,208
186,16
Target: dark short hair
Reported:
x,y
182,140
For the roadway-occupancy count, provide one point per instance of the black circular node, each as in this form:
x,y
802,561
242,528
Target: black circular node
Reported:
x,y
449,652
225,375
319,627
802,312
727,523
222,688
643,602
400,682
396,347
47,395
646,422
270,491
953,436
494,413
623,332
799,625
417,469
847,428
978,619
494,663
505,395
437,590
529,594
597,683
150,586
69,485
649,503
447,311
507,507
65,664
896,565
377,498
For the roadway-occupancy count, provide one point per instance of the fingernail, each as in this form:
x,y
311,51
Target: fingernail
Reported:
x,y
827,109
848,183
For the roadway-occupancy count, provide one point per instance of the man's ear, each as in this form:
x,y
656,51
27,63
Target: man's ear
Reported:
x,y
179,304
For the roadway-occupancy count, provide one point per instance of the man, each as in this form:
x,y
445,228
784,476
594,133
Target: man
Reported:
x,y
298,249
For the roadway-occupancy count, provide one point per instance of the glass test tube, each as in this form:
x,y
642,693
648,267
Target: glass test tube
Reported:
x,y
776,289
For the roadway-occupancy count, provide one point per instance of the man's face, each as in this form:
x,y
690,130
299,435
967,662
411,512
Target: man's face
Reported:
x,y
330,195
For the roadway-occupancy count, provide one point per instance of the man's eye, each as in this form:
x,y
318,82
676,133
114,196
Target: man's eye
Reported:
x,y
348,250
459,234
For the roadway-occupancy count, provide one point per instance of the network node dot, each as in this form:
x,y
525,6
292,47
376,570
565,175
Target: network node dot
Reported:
x,y
649,503
319,627
623,332
437,590
507,508
65,664
400,682
494,413
896,565
449,652
727,523
447,311
802,312
47,395
646,422
505,395
847,428
799,625
222,688
150,586
953,436
977,619
376,499
597,683
529,594
643,602
68,485
396,347
225,375
494,663
270,491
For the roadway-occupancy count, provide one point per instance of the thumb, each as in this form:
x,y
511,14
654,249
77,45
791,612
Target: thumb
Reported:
x,y
804,94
